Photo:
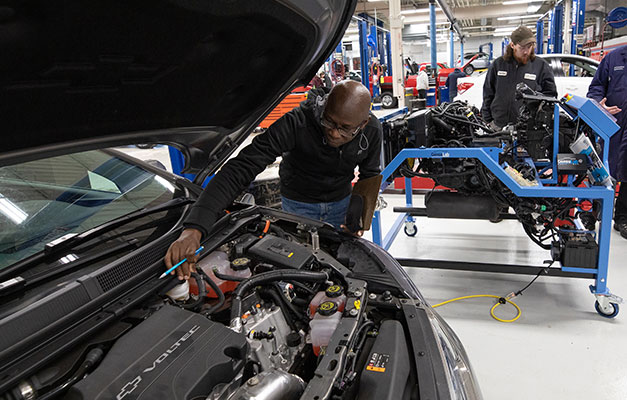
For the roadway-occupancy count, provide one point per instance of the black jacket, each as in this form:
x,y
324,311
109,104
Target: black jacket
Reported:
x,y
311,171
499,88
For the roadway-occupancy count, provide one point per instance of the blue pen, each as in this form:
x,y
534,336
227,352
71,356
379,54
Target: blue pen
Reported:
x,y
180,262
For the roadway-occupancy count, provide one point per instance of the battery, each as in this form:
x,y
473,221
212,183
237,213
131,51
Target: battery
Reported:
x,y
579,250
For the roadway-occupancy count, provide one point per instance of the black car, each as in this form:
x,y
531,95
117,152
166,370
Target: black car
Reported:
x,y
306,312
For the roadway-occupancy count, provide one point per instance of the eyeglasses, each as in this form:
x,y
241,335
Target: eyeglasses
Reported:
x,y
528,46
348,133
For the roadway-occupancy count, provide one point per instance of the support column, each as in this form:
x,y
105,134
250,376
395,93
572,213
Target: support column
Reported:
x,y
396,27
452,49
566,24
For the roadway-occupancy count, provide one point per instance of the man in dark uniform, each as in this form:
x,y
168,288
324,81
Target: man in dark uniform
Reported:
x,y
519,64
321,142
609,88
451,82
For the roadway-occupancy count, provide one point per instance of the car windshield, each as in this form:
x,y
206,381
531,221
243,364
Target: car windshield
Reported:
x,y
580,67
43,200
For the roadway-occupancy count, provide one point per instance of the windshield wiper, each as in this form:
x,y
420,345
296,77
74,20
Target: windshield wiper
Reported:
x,y
57,247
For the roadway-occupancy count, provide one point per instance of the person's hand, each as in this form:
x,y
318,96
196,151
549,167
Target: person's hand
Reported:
x,y
494,126
359,233
184,247
612,110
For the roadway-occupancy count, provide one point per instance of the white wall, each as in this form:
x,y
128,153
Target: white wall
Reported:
x,y
420,50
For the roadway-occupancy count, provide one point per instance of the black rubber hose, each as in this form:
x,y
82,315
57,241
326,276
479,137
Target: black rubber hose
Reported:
x,y
271,276
278,301
288,304
225,277
92,359
202,292
218,291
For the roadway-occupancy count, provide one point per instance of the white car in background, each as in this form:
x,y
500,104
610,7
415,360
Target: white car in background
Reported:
x,y
470,88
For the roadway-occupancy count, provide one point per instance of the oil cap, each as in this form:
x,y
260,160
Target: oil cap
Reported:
x,y
334,291
327,308
240,264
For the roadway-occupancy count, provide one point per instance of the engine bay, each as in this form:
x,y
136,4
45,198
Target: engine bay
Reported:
x,y
276,310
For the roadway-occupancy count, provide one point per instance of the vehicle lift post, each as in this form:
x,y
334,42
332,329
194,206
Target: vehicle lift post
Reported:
x,y
555,28
375,58
363,52
576,36
540,36
491,46
589,112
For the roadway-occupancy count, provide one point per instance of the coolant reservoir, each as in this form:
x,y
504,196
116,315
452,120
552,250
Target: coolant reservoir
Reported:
x,y
323,325
220,260
333,293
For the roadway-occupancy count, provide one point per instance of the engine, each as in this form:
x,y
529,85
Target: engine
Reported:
x,y
470,190
276,310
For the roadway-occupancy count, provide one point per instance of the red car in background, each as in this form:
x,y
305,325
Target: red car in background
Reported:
x,y
388,100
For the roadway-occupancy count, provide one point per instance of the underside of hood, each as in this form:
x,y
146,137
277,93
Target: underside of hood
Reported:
x,y
197,74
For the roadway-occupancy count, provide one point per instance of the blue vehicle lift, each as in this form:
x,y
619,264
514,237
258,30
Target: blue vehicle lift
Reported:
x,y
576,36
589,112
491,47
556,17
540,36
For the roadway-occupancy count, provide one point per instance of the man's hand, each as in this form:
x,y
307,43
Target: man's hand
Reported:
x,y
184,247
359,233
494,126
612,110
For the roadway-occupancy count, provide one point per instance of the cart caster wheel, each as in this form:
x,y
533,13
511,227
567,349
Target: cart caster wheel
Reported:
x,y
411,231
613,314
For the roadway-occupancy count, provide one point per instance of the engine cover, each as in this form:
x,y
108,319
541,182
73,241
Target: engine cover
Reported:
x,y
174,354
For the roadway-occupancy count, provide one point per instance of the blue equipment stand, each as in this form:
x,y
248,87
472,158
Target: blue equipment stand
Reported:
x,y
603,126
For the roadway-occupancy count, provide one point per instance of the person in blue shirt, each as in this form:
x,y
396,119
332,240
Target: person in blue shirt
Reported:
x,y
609,88
451,83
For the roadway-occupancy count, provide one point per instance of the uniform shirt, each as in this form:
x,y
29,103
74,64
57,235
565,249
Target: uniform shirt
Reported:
x,y
422,82
610,81
451,82
311,171
499,88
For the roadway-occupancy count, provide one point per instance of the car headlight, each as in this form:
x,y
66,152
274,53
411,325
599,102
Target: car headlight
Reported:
x,y
462,382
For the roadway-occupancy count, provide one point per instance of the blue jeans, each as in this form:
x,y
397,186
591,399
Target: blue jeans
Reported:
x,y
334,213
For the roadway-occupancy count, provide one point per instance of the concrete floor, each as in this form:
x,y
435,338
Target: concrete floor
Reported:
x,y
560,348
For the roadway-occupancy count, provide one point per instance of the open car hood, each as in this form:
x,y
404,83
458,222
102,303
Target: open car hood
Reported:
x,y
195,74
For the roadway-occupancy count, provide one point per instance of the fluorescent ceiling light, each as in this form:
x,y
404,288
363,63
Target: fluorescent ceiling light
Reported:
x,y
505,29
12,211
533,8
519,17
419,11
